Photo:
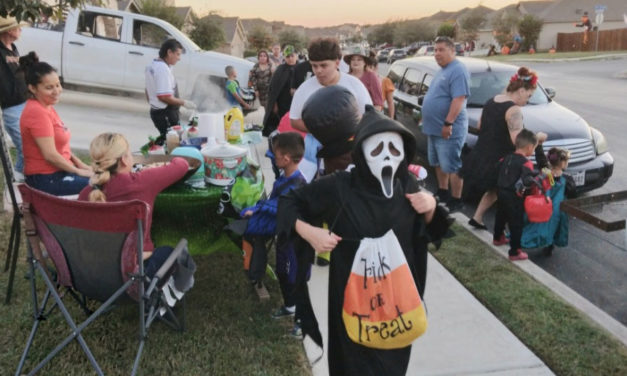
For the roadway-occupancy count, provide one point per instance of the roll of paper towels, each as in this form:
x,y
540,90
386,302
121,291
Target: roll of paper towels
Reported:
x,y
211,124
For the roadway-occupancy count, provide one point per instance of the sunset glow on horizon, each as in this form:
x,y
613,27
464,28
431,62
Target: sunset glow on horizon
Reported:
x,y
320,13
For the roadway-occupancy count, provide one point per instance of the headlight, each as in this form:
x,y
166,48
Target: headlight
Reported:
x,y
600,144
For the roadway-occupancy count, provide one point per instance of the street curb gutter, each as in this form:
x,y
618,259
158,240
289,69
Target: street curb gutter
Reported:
x,y
615,328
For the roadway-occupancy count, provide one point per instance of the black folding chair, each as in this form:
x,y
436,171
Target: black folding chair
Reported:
x,y
14,239
97,251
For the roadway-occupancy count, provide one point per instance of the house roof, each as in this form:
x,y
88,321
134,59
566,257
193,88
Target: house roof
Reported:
x,y
229,25
558,11
183,12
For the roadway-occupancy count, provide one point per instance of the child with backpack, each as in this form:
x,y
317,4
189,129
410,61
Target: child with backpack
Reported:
x,y
516,175
288,149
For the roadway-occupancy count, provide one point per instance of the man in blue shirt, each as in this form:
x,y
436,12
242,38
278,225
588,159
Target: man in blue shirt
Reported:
x,y
445,121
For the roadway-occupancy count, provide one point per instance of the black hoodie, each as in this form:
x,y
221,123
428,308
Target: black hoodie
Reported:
x,y
353,206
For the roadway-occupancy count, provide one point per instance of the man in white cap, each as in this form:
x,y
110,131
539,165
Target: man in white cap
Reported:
x,y
12,86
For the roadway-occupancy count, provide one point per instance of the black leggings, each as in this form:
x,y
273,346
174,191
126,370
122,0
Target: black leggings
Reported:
x,y
163,119
509,209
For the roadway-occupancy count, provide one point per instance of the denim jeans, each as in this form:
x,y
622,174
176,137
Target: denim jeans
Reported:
x,y
60,183
157,258
11,119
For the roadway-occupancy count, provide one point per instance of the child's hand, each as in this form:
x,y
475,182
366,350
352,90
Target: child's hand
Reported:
x,y
247,213
541,136
320,239
423,203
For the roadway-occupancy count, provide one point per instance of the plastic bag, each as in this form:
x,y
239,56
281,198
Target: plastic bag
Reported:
x,y
247,190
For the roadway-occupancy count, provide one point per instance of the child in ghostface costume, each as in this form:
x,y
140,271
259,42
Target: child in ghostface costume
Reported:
x,y
377,197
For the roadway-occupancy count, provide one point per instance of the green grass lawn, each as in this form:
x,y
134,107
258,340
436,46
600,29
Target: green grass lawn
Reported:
x,y
229,330
555,56
568,342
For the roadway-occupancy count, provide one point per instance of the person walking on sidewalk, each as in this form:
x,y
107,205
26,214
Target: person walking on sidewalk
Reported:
x,y
13,92
378,200
445,121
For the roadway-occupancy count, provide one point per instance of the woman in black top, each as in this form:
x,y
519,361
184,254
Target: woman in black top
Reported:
x,y
501,121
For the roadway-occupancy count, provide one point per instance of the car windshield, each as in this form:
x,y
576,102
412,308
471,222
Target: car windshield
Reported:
x,y
486,85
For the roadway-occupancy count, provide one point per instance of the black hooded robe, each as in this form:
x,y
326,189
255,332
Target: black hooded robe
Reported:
x,y
354,207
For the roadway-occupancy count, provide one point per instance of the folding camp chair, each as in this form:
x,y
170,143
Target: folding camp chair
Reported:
x,y
97,250
14,239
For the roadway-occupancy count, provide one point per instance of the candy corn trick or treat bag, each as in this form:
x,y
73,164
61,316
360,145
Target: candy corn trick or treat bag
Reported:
x,y
382,307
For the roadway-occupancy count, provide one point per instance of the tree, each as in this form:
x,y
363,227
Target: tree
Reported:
x,y
409,32
529,29
259,38
446,30
470,23
383,33
504,25
288,36
158,9
32,10
207,32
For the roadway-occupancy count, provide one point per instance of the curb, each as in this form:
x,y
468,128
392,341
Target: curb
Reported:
x,y
569,59
611,325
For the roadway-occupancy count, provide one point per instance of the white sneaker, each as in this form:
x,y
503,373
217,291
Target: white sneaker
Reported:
x,y
178,294
168,296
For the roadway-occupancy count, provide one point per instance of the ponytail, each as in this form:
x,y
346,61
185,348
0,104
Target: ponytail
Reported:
x,y
105,150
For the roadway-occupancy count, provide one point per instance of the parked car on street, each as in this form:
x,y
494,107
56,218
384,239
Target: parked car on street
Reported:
x,y
396,54
459,49
382,55
425,51
591,164
110,49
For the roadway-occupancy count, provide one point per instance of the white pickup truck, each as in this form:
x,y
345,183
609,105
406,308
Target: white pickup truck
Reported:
x,y
110,49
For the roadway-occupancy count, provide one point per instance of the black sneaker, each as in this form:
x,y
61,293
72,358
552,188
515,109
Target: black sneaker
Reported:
x,y
477,225
282,312
548,251
455,204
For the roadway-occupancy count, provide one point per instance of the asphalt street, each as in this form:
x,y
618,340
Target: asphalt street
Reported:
x,y
594,264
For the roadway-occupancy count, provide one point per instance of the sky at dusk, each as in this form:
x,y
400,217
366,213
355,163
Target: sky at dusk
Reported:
x,y
315,13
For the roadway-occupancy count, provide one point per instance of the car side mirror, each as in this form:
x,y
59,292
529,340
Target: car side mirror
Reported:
x,y
550,92
421,98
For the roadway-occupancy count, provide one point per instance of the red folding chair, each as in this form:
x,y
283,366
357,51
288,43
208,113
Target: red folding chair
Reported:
x,y
97,250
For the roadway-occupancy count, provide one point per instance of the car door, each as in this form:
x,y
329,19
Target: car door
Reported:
x,y
93,54
408,110
144,43
395,75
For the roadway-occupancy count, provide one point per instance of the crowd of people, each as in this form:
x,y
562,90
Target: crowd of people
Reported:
x,y
361,189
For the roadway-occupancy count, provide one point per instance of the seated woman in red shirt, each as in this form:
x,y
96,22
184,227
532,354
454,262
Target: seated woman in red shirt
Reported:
x,y
113,180
49,164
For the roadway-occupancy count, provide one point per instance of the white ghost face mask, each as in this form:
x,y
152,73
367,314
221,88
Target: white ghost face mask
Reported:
x,y
384,152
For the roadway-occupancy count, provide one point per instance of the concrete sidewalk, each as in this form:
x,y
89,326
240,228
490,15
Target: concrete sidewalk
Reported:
x,y
463,337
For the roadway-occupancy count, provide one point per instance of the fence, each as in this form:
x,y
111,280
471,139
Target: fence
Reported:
x,y
609,40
